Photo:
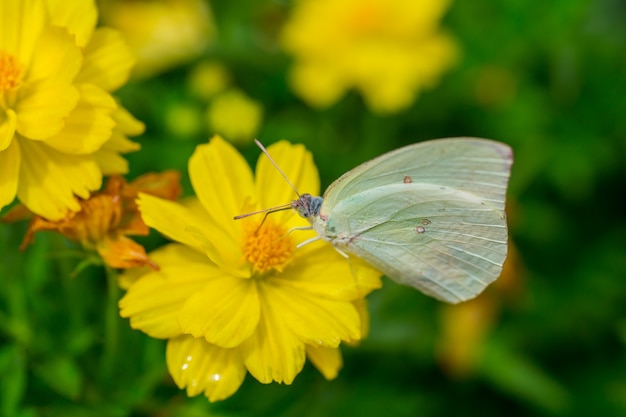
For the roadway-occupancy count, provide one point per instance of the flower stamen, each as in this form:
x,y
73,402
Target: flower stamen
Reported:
x,y
268,248
10,72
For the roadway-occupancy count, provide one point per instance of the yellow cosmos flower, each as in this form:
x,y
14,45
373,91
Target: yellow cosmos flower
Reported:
x,y
237,296
387,49
162,33
60,128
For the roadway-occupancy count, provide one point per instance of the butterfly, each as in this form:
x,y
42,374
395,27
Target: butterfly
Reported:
x,y
428,215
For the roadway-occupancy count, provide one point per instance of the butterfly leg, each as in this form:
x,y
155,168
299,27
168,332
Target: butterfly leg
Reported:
x,y
306,242
272,210
293,229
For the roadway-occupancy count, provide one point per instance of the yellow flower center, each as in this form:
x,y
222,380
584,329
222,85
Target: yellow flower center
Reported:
x,y
10,72
366,19
268,248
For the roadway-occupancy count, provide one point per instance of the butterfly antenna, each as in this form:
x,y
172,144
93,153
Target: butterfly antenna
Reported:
x,y
266,211
260,145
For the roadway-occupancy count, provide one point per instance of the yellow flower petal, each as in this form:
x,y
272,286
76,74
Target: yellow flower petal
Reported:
x,y
222,181
185,226
201,367
221,248
42,109
225,312
273,352
131,276
331,322
327,360
89,125
80,19
296,163
110,162
108,156
127,123
169,254
9,166
169,218
7,128
18,38
120,143
235,115
58,57
154,301
361,306
49,179
108,60
321,270
318,85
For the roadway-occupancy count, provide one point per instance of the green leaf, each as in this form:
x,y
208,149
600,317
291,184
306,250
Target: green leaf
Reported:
x,y
13,380
62,375
511,372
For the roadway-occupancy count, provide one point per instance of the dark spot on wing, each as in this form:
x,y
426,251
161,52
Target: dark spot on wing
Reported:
x,y
407,179
425,222
353,238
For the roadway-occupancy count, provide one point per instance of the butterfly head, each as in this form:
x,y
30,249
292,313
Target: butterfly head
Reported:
x,y
307,206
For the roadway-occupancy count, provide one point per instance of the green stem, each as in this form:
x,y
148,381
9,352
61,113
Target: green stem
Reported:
x,y
111,324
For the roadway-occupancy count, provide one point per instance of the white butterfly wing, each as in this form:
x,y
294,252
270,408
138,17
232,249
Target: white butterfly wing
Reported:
x,y
478,166
442,230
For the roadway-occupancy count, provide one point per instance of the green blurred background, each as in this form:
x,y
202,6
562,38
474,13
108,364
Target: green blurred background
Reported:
x,y
549,339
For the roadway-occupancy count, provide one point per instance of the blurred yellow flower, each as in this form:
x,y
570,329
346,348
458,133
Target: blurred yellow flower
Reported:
x,y
208,78
466,326
60,128
237,296
162,33
184,120
108,156
389,50
235,116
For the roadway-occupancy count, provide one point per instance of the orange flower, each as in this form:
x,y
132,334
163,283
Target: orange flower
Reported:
x,y
107,217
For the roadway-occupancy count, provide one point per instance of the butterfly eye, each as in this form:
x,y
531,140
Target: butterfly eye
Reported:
x,y
299,207
307,206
